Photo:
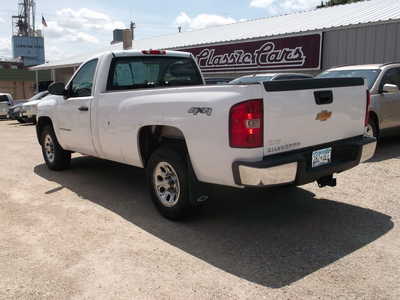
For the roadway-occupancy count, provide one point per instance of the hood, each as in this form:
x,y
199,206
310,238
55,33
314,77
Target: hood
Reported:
x,y
16,105
33,102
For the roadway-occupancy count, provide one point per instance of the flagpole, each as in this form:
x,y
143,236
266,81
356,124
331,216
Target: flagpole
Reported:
x,y
44,48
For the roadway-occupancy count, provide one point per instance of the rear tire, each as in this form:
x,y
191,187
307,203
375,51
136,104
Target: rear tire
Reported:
x,y
372,129
55,156
168,179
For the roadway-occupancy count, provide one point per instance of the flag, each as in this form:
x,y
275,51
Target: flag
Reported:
x,y
44,23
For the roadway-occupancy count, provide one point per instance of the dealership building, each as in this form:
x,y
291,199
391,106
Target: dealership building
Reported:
x,y
308,42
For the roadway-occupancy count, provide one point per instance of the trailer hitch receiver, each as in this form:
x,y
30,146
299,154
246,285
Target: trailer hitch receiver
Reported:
x,y
327,181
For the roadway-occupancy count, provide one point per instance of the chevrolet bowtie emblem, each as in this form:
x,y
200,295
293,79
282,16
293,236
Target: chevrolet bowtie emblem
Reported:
x,y
324,116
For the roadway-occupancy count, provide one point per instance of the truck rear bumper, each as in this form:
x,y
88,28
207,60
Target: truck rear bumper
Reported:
x,y
295,167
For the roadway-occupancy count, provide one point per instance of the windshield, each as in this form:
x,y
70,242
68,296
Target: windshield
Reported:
x,y
369,75
249,80
4,98
151,72
39,96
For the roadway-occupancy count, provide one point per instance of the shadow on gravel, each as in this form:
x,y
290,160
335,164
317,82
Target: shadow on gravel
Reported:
x,y
18,124
388,148
272,238
22,124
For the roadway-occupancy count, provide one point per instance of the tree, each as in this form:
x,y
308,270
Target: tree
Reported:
x,y
336,2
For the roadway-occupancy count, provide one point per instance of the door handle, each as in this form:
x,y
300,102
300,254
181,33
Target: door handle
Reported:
x,y
83,108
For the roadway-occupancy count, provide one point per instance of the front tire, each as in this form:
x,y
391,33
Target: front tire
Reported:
x,y
55,156
21,120
168,179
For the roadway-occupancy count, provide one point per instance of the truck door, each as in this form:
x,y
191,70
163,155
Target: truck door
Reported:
x,y
390,102
74,112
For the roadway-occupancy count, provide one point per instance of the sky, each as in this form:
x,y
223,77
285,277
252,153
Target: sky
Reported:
x,y
81,26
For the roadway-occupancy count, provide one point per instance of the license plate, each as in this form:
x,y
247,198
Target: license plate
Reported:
x,y
321,157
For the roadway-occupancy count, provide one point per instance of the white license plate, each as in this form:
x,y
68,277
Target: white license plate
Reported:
x,y
321,157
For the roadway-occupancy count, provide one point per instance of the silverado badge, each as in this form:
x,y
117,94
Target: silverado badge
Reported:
x,y
324,116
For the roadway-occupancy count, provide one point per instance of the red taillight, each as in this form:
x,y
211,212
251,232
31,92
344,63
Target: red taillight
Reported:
x,y
367,109
246,123
154,52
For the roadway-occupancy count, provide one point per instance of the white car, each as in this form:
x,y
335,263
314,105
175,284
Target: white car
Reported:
x,y
29,109
6,101
151,109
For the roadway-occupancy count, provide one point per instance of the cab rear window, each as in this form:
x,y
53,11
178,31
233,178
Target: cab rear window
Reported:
x,y
152,72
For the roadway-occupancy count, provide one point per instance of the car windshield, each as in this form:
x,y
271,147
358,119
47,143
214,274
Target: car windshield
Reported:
x,y
4,98
370,75
251,80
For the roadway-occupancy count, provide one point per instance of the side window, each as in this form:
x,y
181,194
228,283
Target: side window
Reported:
x,y
81,85
3,98
392,77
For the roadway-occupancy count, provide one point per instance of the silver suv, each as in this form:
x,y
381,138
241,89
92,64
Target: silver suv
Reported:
x,y
384,84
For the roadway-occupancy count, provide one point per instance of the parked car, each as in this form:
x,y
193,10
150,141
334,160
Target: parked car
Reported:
x,y
29,109
22,112
384,89
249,79
6,101
151,109
14,112
217,80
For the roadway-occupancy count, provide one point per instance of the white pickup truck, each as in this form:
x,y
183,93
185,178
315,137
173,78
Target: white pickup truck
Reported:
x,y
151,109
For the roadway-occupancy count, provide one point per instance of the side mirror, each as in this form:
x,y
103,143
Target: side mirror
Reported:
x,y
57,88
390,88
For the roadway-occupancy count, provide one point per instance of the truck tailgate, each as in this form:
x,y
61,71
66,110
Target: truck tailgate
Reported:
x,y
304,113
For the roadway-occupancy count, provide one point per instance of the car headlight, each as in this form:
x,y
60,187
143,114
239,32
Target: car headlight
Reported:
x,y
30,108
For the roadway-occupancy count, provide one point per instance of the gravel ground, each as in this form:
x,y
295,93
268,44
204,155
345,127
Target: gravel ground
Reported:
x,y
91,232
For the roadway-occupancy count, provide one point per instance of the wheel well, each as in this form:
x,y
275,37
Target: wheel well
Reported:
x,y
41,123
152,137
373,116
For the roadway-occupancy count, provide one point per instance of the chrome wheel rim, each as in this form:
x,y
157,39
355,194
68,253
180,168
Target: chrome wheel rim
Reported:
x,y
369,131
49,148
166,184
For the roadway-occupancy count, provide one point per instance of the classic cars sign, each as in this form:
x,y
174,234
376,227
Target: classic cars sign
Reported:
x,y
288,53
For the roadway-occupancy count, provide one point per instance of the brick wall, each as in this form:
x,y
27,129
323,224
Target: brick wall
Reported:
x,y
18,89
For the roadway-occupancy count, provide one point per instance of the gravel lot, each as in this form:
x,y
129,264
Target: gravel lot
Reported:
x,y
91,232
